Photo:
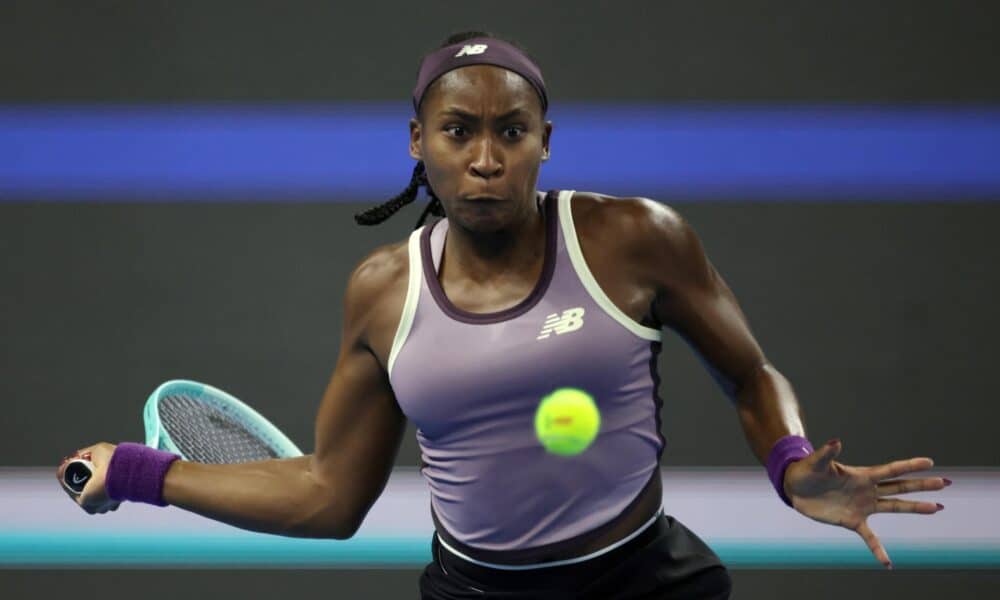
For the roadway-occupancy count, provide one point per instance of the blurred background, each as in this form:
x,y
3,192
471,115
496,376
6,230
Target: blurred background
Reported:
x,y
177,188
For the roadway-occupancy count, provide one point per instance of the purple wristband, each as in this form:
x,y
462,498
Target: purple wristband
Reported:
x,y
784,452
136,473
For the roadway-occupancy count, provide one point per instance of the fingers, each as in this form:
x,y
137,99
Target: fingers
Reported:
x,y
85,453
99,508
901,467
110,507
873,543
895,487
826,454
895,505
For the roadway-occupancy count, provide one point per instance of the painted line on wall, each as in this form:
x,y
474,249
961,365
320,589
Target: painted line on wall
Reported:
x,y
349,152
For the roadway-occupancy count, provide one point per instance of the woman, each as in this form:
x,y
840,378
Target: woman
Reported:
x,y
464,327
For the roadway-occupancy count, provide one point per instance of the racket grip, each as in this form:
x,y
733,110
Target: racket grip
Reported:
x,y
76,475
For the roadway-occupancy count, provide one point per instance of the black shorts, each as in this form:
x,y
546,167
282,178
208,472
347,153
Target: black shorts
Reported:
x,y
665,561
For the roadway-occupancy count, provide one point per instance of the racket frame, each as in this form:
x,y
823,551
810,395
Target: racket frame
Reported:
x,y
158,437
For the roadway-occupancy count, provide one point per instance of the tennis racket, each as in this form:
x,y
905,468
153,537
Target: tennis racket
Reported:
x,y
201,424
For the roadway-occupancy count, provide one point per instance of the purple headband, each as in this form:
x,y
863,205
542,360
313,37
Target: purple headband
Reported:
x,y
478,51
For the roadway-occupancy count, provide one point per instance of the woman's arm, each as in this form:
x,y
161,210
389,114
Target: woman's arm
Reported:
x,y
358,432
325,494
692,299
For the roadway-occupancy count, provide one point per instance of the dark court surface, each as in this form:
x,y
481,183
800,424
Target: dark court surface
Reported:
x,y
378,584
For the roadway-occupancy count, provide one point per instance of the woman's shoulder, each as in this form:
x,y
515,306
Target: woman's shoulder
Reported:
x,y
629,220
379,271
378,278
376,292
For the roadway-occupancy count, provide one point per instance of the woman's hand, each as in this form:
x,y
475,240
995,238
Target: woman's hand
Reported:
x,y
830,492
94,498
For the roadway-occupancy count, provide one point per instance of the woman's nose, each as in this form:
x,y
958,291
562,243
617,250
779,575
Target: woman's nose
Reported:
x,y
486,163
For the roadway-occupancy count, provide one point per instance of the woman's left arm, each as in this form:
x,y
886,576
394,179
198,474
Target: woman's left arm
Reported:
x,y
692,299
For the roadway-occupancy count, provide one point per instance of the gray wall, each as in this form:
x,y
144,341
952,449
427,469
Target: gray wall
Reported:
x,y
881,315
752,50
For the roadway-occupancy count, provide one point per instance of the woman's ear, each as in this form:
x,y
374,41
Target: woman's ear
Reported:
x,y
415,132
545,140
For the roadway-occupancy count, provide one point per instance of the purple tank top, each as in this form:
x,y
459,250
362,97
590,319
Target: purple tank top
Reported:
x,y
471,384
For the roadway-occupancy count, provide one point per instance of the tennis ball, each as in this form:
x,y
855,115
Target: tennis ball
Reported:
x,y
567,421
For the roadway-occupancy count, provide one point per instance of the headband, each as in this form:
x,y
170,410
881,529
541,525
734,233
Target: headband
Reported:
x,y
478,51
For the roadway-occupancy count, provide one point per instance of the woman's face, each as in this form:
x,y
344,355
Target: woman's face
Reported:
x,y
482,137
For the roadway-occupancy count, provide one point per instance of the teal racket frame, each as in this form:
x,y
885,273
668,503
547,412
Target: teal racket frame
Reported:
x,y
157,437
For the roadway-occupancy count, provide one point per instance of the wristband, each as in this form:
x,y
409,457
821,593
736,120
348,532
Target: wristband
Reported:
x,y
784,452
136,473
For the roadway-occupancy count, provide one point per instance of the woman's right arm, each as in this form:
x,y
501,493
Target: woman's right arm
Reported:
x,y
359,428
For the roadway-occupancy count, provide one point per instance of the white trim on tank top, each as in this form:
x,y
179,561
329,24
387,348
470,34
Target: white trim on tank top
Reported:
x,y
587,278
412,296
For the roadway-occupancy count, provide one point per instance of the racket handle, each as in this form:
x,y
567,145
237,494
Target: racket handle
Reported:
x,y
76,475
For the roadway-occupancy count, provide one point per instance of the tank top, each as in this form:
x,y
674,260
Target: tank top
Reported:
x,y
471,384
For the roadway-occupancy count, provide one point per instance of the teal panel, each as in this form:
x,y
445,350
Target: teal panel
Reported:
x,y
19,550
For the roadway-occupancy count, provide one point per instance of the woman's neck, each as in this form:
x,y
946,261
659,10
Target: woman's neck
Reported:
x,y
482,256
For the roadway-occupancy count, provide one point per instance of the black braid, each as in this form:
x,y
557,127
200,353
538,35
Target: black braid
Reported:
x,y
434,207
377,214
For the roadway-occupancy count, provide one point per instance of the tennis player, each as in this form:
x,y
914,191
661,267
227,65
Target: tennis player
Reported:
x,y
466,325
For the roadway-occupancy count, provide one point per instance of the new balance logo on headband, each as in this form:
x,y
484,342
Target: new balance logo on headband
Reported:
x,y
571,319
469,50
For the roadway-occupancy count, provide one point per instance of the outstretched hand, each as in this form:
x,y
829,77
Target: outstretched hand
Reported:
x,y
831,492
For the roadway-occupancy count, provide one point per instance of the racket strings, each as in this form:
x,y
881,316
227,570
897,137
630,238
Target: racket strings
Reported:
x,y
204,433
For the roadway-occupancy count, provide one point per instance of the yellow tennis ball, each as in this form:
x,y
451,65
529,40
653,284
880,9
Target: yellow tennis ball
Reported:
x,y
567,421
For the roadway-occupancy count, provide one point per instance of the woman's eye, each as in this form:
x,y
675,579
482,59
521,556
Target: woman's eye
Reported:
x,y
513,132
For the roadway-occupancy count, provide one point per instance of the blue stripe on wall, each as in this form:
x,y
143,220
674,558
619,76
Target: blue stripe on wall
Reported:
x,y
359,152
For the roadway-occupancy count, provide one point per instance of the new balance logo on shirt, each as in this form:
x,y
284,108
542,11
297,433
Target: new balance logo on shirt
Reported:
x,y
471,49
571,319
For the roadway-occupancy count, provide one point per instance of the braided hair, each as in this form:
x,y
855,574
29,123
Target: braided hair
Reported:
x,y
378,214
